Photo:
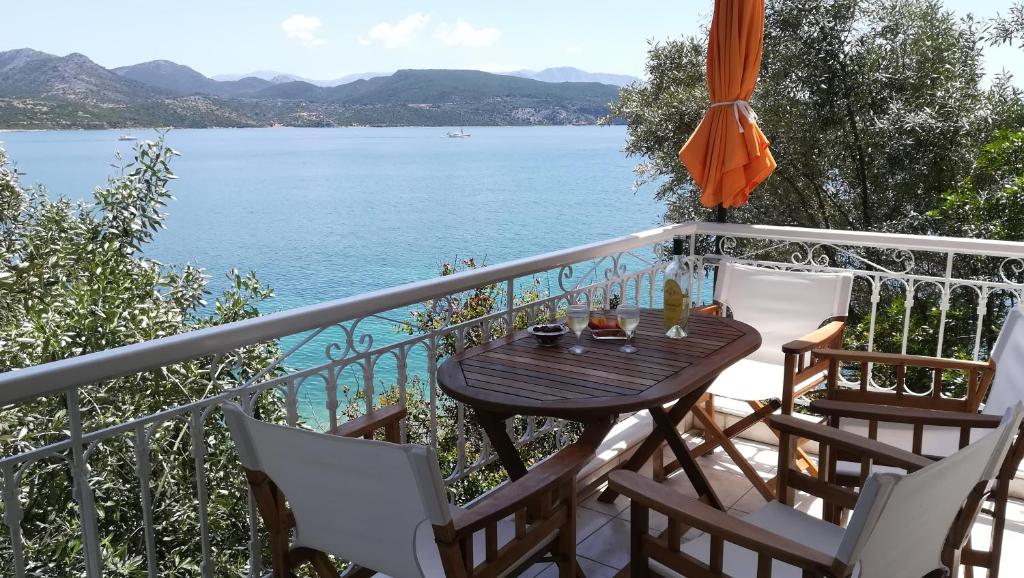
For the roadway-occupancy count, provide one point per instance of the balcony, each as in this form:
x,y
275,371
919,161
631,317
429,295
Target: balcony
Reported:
x,y
124,488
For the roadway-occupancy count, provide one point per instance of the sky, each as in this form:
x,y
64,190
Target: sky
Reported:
x,y
323,39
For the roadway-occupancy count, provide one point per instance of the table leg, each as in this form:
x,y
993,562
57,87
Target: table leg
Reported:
x,y
686,461
653,441
493,424
494,427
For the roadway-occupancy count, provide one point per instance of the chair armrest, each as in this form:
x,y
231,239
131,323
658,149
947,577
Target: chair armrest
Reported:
x,y
650,494
863,446
372,421
825,335
516,495
897,414
901,359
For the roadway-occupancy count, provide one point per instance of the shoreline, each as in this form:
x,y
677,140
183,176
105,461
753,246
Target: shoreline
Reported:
x,y
157,128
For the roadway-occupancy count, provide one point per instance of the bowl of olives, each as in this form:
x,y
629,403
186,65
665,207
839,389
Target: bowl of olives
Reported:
x,y
548,335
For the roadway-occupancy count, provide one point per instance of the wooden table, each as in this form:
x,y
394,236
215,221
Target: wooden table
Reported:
x,y
516,376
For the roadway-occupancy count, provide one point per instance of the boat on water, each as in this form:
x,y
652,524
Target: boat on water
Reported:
x,y
461,134
126,137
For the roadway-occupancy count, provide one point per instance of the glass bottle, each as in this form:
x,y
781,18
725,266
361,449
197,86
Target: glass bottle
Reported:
x,y
677,294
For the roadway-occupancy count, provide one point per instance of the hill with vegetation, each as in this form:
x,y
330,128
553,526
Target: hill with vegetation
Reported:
x,y
44,91
570,74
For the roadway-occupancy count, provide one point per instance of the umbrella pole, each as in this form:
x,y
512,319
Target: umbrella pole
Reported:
x,y
720,215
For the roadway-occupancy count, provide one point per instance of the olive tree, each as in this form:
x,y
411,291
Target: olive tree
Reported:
x,y
1009,28
74,280
873,108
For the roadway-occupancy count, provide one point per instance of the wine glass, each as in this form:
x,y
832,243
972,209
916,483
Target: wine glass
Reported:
x,y
628,317
577,317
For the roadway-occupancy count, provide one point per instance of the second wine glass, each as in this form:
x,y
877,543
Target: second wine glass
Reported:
x,y
628,317
577,317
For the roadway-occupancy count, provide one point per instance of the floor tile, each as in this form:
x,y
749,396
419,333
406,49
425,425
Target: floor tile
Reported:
x,y
764,459
589,521
536,570
609,545
749,502
591,568
612,509
729,486
657,521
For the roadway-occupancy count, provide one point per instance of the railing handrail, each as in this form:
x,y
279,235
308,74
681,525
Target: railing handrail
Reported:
x,y
48,378
934,243
55,376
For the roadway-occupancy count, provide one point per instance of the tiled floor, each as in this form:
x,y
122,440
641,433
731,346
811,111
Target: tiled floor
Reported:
x,y
603,529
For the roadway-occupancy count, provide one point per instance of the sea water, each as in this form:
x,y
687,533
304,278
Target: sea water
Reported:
x,y
326,213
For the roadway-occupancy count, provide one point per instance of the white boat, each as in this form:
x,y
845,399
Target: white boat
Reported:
x,y
461,134
126,137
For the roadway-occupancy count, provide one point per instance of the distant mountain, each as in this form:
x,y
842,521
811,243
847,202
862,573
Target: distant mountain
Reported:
x,y
180,79
39,90
570,74
281,77
462,86
270,75
295,90
169,76
28,73
558,74
14,58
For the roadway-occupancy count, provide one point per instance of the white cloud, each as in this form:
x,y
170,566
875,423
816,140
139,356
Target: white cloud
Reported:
x,y
305,29
574,49
396,35
465,34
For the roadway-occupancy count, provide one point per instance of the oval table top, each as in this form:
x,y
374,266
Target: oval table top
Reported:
x,y
515,375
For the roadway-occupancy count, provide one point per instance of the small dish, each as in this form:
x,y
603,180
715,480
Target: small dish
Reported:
x,y
549,334
608,334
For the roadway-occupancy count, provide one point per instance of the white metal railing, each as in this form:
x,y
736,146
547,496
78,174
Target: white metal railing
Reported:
x,y
916,284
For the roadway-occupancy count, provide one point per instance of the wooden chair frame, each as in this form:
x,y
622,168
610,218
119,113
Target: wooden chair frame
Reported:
x,y
548,491
801,364
899,406
684,512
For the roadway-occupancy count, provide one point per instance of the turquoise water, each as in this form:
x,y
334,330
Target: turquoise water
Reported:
x,y
321,214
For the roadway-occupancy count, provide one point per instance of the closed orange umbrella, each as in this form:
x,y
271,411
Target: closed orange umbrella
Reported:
x,y
728,155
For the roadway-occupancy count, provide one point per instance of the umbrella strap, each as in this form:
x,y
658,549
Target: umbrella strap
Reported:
x,y
739,107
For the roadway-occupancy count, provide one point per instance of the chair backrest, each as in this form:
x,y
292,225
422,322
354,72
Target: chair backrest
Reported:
x,y
361,500
1008,354
781,305
900,523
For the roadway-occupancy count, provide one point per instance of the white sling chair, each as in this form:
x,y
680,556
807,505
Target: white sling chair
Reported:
x,y
795,312
382,505
903,526
931,424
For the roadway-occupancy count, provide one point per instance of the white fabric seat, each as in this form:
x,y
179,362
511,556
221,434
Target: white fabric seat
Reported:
x,y
751,380
782,306
777,518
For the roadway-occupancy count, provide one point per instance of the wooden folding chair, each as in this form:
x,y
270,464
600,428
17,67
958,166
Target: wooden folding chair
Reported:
x,y
381,505
795,312
932,423
902,526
